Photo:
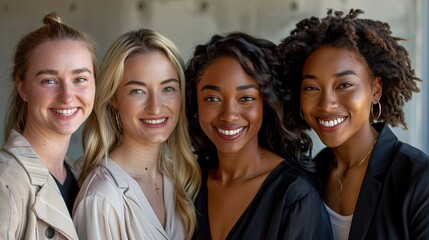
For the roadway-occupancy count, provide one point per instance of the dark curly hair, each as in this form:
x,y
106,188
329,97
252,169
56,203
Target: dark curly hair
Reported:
x,y
259,59
368,38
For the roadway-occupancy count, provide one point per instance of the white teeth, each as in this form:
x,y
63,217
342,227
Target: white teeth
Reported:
x,y
230,132
331,123
65,112
156,121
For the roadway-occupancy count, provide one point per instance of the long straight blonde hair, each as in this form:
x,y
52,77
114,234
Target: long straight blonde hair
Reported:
x,y
103,131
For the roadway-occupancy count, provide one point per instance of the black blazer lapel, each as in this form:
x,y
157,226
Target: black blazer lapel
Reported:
x,y
372,185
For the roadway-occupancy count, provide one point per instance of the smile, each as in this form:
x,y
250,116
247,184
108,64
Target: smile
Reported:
x,y
331,123
230,132
65,112
155,121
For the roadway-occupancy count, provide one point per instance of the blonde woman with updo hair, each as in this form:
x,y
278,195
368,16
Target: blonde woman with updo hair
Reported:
x,y
54,76
140,176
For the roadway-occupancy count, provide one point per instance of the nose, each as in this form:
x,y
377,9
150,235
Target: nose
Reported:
x,y
328,101
229,112
154,104
66,93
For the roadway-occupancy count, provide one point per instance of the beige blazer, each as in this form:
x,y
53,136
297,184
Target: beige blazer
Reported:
x,y
31,205
111,205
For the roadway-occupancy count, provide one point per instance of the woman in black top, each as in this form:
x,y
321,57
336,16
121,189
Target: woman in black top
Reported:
x,y
351,78
253,186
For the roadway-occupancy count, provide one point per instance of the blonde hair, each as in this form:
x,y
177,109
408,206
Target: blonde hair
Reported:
x,y
53,29
103,131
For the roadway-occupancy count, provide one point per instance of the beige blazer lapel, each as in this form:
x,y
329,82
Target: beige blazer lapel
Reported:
x,y
49,205
50,208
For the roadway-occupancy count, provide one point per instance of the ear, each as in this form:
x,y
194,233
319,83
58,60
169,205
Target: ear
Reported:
x,y
377,89
113,102
20,87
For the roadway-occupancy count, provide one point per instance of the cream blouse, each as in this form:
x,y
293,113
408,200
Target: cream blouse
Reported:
x,y
111,205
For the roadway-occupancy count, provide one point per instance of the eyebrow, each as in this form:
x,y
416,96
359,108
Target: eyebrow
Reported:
x,y
239,88
139,83
55,72
337,75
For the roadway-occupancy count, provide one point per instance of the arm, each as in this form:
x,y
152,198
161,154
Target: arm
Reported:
x,y
10,227
419,209
96,218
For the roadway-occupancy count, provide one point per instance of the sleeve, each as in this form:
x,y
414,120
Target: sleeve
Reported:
x,y
9,229
96,218
307,219
419,209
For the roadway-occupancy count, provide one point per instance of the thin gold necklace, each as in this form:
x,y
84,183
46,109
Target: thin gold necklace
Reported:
x,y
340,192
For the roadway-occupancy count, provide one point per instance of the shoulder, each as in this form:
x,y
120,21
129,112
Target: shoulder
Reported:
x,y
293,182
100,186
410,153
8,163
100,182
412,161
10,168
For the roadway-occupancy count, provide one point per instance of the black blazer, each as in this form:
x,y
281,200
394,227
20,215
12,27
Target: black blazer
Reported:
x,y
393,202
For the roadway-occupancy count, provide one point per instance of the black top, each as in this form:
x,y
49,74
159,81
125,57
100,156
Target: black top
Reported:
x,y
69,190
287,206
393,201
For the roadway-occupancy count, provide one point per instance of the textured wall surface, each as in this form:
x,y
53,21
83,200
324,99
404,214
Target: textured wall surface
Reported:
x,y
190,22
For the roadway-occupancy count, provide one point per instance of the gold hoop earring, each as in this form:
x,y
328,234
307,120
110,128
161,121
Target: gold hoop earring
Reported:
x,y
300,113
379,110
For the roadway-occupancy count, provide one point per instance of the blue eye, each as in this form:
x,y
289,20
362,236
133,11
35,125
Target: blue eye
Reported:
x,y
169,89
49,81
137,91
80,80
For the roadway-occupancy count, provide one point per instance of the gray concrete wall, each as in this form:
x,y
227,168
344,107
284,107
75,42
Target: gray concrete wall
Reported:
x,y
190,22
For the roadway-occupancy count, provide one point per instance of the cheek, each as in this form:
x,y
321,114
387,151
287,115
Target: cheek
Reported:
x,y
358,102
307,103
176,104
89,95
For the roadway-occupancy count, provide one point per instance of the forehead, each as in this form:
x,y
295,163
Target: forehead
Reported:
x,y
153,66
225,71
332,59
60,55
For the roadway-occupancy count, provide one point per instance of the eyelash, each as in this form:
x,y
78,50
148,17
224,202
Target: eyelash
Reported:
x,y
136,91
170,89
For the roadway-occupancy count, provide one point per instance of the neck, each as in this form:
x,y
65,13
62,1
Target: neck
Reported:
x,y
234,166
51,151
139,161
348,155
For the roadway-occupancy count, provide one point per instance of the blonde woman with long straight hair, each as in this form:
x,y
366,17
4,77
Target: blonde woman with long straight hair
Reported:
x,y
140,176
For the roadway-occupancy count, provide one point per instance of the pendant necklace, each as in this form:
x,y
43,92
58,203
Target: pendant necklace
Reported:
x,y
340,192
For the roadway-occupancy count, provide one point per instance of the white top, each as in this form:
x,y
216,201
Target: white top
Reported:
x,y
111,205
340,224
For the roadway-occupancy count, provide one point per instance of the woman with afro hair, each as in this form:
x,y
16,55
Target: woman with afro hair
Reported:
x,y
349,79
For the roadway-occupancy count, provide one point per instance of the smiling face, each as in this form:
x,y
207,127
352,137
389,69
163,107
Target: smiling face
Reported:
x,y
337,92
148,98
230,106
59,87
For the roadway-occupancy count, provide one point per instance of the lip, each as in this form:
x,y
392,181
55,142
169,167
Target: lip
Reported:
x,y
155,122
229,133
330,123
65,112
